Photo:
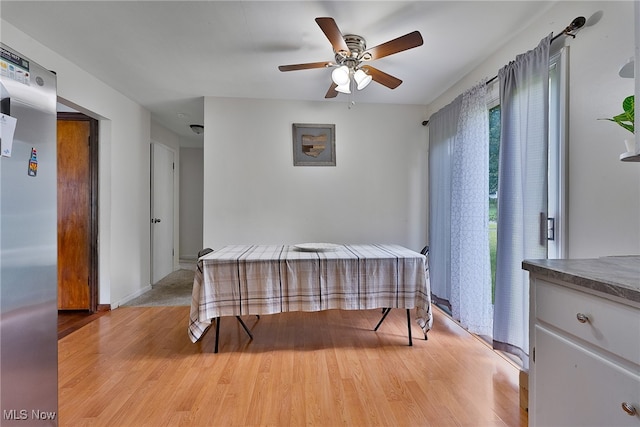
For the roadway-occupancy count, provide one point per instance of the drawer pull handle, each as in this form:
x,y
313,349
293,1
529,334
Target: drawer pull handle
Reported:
x,y
582,318
629,409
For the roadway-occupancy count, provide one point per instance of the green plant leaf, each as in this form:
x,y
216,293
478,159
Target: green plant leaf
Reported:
x,y
628,105
626,118
622,117
627,126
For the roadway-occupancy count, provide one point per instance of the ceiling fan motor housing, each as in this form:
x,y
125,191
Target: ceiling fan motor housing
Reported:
x,y
357,45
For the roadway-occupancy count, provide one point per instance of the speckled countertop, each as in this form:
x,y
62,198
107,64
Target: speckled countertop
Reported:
x,y
615,275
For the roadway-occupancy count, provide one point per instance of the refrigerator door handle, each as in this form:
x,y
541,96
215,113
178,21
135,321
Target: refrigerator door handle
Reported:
x,y
5,106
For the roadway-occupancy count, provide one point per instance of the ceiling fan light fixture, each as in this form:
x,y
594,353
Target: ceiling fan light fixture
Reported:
x,y
197,129
344,88
362,79
340,75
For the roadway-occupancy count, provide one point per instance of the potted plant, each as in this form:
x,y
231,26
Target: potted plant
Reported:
x,y
625,119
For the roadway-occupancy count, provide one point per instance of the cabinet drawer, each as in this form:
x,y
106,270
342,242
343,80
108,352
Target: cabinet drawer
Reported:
x,y
612,326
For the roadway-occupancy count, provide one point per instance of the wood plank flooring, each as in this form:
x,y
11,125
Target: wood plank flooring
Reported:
x,y
135,366
72,320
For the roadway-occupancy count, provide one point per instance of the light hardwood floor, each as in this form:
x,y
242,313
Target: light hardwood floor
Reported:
x,y
135,366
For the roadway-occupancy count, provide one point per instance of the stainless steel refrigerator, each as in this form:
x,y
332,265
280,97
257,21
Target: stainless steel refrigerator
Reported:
x,y
28,243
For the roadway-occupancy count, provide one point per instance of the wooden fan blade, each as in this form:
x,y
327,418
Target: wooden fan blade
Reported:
x,y
307,66
406,42
381,77
332,92
331,30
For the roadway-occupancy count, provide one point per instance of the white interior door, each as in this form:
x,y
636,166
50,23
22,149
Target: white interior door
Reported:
x,y
162,189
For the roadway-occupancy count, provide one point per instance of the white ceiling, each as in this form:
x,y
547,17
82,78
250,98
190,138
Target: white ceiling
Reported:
x,y
167,55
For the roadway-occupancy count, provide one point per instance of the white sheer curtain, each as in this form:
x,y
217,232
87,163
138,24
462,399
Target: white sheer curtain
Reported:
x,y
459,263
470,264
443,128
522,192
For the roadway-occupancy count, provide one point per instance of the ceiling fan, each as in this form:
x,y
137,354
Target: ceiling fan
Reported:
x,y
351,56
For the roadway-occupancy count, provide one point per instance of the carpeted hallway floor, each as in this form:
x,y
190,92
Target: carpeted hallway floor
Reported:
x,y
173,290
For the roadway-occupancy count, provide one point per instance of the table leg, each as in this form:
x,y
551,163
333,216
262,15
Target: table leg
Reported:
x,y
409,326
215,350
244,326
385,311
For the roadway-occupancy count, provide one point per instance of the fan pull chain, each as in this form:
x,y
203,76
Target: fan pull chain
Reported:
x,y
352,88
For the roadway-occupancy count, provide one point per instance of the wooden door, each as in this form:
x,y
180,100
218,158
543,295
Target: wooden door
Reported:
x,y
74,215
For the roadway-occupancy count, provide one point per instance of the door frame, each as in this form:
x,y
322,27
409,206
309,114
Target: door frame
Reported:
x,y
93,203
559,155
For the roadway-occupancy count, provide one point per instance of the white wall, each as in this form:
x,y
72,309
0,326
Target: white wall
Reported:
x,y
604,193
124,168
254,194
162,135
191,205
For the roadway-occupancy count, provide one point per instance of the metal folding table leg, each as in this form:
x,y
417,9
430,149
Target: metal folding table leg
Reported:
x,y
409,326
385,312
245,327
215,350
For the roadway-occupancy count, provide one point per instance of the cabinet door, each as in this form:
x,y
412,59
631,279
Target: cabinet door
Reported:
x,y
575,387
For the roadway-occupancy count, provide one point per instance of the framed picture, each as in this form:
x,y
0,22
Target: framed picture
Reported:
x,y
314,145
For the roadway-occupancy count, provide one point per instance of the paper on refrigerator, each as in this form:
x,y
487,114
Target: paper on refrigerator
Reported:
x,y
8,128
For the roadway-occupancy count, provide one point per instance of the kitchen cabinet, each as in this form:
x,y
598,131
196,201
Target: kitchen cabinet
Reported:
x,y
584,342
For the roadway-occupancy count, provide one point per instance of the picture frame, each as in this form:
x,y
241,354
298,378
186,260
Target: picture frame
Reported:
x,y
314,144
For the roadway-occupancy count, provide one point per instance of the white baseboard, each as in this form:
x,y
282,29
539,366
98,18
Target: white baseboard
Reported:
x,y
131,296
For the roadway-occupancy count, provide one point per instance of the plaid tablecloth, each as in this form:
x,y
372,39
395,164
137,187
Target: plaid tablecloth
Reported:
x,y
266,279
